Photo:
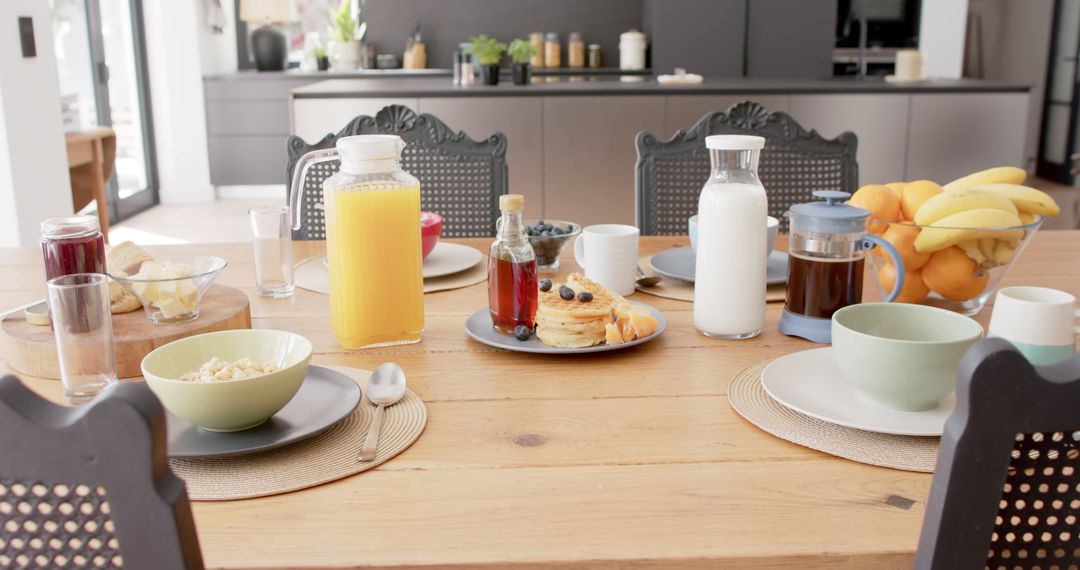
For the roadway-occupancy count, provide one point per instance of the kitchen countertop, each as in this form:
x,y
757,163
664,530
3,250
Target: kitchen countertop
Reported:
x,y
565,86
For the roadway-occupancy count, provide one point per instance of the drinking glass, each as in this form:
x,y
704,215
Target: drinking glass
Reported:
x,y
273,251
82,325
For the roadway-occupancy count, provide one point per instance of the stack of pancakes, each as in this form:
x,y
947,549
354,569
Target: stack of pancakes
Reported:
x,y
563,323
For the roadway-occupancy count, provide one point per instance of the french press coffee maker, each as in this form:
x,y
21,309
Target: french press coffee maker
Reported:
x,y
826,255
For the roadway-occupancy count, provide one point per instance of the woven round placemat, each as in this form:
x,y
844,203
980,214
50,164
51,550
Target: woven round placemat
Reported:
x,y
749,398
679,290
326,457
311,274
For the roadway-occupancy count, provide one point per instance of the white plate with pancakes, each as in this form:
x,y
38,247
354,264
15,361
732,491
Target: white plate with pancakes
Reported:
x,y
573,326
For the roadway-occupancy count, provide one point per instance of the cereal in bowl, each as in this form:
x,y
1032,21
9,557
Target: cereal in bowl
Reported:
x,y
218,370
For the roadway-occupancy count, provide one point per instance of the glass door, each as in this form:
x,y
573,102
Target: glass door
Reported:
x,y
1060,132
101,61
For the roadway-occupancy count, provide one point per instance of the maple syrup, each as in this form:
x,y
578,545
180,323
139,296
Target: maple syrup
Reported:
x,y
512,275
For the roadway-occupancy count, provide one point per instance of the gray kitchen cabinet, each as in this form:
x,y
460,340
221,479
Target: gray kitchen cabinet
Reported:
x,y
313,119
880,121
717,29
684,111
520,119
952,135
798,44
589,155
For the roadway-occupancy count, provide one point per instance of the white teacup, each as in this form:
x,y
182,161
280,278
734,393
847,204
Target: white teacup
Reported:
x,y
1040,322
772,226
609,254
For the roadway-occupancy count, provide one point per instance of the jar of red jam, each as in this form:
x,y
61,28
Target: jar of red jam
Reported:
x,y
72,245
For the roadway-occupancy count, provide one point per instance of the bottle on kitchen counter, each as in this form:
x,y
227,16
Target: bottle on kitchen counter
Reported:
x,y
729,286
537,40
575,51
552,51
632,50
596,56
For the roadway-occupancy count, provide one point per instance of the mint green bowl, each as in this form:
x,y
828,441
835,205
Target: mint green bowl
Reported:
x,y
901,356
231,405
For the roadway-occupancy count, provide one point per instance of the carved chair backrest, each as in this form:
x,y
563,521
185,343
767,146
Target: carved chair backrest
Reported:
x,y
794,163
460,178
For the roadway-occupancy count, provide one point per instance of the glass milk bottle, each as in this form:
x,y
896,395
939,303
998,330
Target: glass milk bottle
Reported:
x,y
729,286
372,212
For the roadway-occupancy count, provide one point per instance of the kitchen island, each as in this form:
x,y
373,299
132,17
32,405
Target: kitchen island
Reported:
x,y
570,137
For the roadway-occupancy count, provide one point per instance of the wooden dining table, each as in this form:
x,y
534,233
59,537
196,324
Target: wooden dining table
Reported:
x,y
627,459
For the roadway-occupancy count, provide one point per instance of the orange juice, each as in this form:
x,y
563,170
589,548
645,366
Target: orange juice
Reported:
x,y
375,264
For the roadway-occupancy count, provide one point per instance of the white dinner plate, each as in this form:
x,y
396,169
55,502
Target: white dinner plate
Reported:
x,y
810,382
678,263
447,259
479,327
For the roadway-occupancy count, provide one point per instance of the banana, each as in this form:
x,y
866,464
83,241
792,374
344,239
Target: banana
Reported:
x,y
986,246
967,225
1004,250
971,248
998,175
949,203
1027,218
1026,198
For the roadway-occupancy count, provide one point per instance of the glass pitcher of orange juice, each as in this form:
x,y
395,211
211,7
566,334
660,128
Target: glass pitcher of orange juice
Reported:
x,y
372,212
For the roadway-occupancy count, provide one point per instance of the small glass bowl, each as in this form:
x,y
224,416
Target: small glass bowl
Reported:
x,y
972,291
549,247
171,300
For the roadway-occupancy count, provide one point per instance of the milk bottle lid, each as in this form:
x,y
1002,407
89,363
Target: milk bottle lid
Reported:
x,y
734,142
830,216
370,147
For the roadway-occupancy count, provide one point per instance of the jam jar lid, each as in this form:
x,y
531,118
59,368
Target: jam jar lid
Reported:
x,y
830,216
69,227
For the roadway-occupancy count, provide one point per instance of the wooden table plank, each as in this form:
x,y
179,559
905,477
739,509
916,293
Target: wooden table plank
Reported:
x,y
626,459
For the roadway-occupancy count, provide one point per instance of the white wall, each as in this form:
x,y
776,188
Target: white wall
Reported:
x,y
941,37
34,181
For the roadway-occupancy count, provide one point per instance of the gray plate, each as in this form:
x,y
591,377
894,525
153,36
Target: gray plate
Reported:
x,y
324,399
480,329
678,263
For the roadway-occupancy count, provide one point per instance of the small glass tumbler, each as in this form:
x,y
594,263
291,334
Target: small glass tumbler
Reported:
x,y
273,251
82,325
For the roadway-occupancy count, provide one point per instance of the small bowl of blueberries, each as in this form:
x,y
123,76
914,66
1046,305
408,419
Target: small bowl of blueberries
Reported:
x,y
548,238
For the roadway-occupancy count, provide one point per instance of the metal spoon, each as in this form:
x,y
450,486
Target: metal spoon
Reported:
x,y
385,387
646,280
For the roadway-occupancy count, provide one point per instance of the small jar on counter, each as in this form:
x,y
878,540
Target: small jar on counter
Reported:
x,y
596,57
575,51
537,40
552,51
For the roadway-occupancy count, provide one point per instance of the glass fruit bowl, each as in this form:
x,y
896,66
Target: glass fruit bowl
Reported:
x,y
170,288
548,239
953,268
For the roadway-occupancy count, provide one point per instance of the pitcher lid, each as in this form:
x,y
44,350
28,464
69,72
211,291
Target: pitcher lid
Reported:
x,y
370,147
830,216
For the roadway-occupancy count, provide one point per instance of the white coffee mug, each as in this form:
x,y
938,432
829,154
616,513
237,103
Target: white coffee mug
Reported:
x,y
1040,322
608,253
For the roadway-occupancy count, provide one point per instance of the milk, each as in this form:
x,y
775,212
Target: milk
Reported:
x,y
729,286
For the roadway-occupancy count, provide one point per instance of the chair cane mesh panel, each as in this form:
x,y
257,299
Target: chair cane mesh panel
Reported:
x,y
49,525
788,175
1036,524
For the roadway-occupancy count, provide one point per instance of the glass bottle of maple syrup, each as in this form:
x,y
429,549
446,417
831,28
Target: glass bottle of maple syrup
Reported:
x,y
512,281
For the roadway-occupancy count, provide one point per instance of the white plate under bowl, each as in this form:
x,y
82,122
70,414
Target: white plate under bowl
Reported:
x,y
447,259
810,382
678,263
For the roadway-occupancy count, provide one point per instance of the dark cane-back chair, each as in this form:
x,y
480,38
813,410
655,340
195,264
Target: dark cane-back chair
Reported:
x,y
793,164
460,178
1006,490
90,487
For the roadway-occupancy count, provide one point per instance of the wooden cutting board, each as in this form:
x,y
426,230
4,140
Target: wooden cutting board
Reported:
x,y
31,349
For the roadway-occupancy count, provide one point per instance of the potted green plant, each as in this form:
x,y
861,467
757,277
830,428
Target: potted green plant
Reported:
x,y
488,53
521,52
344,47
321,59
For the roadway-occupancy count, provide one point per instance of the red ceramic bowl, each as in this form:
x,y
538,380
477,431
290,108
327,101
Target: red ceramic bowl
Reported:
x,y
430,230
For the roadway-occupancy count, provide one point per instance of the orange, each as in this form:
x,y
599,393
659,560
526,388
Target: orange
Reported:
x,y
902,237
882,202
915,194
953,275
914,289
897,187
